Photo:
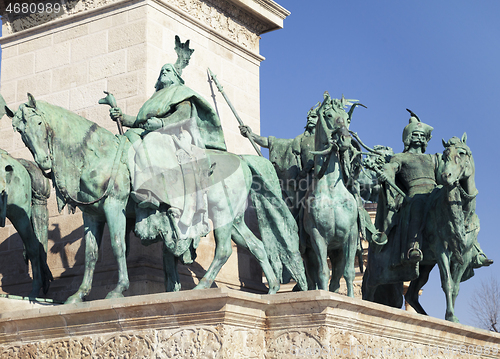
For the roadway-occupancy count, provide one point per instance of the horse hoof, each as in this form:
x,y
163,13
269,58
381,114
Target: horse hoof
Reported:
x,y
204,284
75,298
273,289
34,294
112,295
452,318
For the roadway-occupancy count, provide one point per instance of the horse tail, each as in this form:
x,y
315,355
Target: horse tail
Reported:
x,y
278,228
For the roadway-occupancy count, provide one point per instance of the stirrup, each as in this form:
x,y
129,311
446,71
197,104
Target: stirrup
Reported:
x,y
415,257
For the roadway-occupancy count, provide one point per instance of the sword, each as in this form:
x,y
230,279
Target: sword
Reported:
x,y
111,101
221,90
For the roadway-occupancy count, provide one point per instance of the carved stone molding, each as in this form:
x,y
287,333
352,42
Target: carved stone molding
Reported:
x,y
204,324
222,16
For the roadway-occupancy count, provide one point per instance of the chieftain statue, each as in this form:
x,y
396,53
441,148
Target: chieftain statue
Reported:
x,y
292,159
163,179
427,210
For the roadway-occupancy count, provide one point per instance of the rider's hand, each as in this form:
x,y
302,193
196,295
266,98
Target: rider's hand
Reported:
x,y
153,124
382,177
115,113
245,131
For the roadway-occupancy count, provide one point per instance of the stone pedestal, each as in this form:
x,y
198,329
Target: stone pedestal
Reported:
x,y
69,58
224,323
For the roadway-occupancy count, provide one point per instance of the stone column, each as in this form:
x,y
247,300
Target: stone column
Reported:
x,y
68,58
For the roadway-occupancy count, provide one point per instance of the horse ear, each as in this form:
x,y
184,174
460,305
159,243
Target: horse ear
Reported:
x,y
9,112
464,138
444,143
8,173
31,101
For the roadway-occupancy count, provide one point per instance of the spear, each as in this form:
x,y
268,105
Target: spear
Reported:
x,y
221,90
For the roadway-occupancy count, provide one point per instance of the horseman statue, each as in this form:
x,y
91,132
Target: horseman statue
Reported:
x,y
415,173
426,207
190,125
292,160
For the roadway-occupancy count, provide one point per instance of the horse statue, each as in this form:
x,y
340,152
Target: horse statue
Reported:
x,y
451,215
23,200
330,213
89,170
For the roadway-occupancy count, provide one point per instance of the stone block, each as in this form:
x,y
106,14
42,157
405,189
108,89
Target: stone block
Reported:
x,y
86,47
86,96
127,35
10,51
123,86
108,65
5,137
100,24
33,45
58,99
119,18
37,85
71,33
52,57
136,57
18,67
71,76
9,90
138,13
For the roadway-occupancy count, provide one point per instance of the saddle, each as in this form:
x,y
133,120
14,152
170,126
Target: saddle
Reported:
x,y
170,180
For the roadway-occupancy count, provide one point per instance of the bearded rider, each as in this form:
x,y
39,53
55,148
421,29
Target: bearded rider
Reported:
x,y
292,160
158,162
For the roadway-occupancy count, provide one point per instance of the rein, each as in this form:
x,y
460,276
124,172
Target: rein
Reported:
x,y
463,193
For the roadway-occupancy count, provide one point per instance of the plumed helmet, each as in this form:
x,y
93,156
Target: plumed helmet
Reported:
x,y
415,125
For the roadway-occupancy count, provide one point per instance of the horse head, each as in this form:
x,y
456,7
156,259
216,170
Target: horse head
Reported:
x,y
332,128
458,162
28,120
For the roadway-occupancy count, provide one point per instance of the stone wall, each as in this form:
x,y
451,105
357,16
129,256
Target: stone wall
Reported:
x,y
68,59
223,323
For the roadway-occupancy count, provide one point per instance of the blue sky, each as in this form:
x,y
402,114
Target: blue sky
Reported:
x,y
438,58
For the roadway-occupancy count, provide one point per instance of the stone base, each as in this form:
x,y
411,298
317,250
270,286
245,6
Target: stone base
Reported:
x,y
224,323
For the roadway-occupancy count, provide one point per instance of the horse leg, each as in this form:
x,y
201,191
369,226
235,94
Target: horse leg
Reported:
x,y
337,261
411,296
243,237
319,246
312,268
172,280
223,251
117,222
93,236
350,248
446,283
23,226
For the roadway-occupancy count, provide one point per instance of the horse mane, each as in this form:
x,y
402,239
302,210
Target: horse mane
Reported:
x,y
74,147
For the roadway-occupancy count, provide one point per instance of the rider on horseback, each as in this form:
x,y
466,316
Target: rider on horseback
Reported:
x,y
292,160
415,173
191,125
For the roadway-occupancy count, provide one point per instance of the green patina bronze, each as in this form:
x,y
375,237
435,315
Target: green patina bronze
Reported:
x,y
23,200
330,212
427,210
292,159
174,166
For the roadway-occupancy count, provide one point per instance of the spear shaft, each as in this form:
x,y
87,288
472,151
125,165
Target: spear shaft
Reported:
x,y
221,90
